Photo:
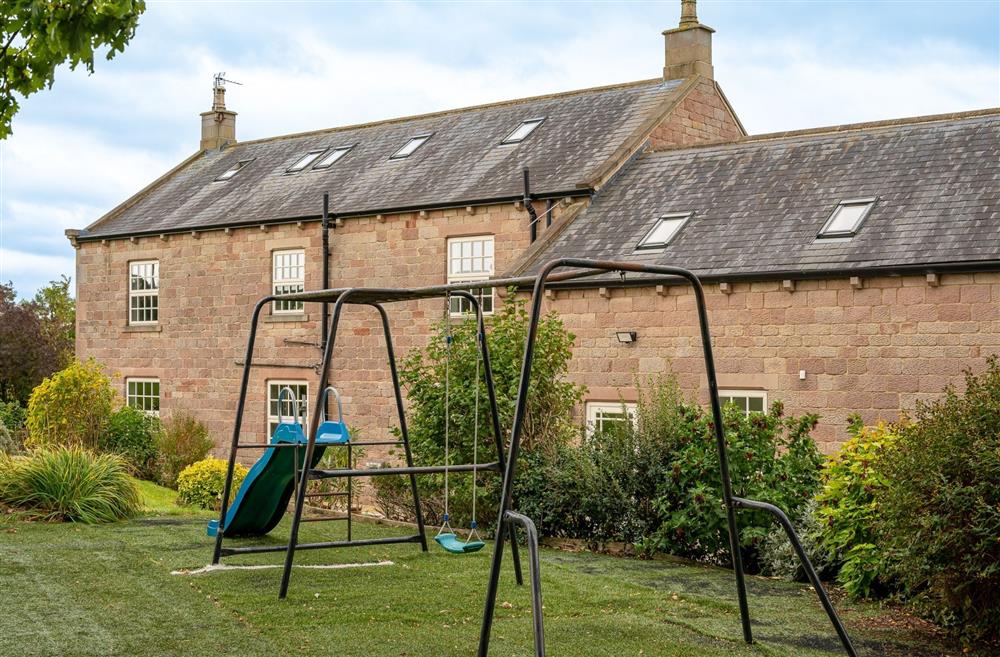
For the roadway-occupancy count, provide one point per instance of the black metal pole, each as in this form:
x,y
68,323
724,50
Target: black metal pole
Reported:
x,y
491,394
536,578
237,425
403,431
300,492
506,488
817,585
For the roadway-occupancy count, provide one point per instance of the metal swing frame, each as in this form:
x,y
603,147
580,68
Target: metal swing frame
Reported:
x,y
375,299
507,517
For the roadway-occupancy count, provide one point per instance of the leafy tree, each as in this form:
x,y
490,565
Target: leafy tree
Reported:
x,y
550,405
57,310
36,36
36,337
26,355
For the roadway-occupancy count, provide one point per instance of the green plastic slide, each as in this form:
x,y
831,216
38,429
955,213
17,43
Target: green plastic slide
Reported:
x,y
263,497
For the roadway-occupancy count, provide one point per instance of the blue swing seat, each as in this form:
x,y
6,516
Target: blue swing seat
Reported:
x,y
451,543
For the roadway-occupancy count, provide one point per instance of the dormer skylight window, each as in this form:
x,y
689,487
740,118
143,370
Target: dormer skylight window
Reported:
x,y
409,147
232,171
847,218
332,157
305,160
521,132
663,231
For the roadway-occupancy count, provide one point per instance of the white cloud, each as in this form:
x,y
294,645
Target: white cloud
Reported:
x,y
31,271
789,85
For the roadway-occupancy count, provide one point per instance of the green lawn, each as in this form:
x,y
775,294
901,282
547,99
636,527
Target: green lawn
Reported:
x,y
108,590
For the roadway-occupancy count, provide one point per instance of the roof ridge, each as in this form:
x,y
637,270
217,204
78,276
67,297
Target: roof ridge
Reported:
x,y
456,110
838,129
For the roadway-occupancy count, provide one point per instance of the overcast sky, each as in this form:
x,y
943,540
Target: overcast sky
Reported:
x,y
90,142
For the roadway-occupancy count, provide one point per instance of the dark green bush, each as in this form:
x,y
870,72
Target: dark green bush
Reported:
x,y
134,435
848,508
940,510
69,483
656,483
772,458
184,440
549,419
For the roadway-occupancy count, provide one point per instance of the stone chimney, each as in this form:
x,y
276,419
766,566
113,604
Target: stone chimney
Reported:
x,y
688,46
218,127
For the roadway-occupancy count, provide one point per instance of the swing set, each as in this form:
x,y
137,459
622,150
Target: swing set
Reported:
x,y
506,455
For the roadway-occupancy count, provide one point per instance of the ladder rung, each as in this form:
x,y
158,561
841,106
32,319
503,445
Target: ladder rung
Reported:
x,y
323,518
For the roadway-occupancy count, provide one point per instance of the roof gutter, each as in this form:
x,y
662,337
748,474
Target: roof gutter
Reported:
x,y
514,198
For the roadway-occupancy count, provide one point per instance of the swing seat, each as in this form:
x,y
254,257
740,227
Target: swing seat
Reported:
x,y
451,543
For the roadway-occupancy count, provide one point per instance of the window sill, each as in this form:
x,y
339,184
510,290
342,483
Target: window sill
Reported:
x,y
142,328
290,317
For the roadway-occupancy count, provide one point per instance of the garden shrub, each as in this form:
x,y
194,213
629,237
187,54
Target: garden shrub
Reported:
x,y
200,484
69,483
71,407
772,458
183,441
133,435
549,418
778,557
848,508
656,483
940,509
12,430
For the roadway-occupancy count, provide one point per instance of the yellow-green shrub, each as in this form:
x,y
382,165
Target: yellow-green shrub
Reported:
x,y
71,407
200,484
849,511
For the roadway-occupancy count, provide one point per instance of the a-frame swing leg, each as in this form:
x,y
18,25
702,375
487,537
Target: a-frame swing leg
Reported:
x,y
300,491
403,431
491,395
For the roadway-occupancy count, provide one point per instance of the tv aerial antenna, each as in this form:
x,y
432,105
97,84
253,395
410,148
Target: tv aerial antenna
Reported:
x,y
221,80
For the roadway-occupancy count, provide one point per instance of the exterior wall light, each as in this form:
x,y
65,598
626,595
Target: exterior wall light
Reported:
x,y
625,337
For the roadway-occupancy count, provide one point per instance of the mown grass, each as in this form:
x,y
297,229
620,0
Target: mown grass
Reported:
x,y
79,590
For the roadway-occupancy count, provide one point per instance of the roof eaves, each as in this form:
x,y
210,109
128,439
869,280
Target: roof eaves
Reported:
x,y
349,214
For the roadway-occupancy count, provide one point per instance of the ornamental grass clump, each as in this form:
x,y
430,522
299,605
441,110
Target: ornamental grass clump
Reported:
x,y
69,484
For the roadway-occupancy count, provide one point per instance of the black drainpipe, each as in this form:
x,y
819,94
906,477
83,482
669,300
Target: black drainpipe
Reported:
x,y
548,213
529,207
325,325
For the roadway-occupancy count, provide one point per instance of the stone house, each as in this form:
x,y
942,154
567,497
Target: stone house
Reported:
x,y
854,268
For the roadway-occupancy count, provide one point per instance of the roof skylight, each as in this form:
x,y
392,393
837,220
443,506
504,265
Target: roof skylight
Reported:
x,y
521,132
847,218
413,144
305,160
663,231
332,157
232,171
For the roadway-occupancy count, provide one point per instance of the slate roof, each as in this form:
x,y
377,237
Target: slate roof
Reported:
x,y
759,202
462,163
